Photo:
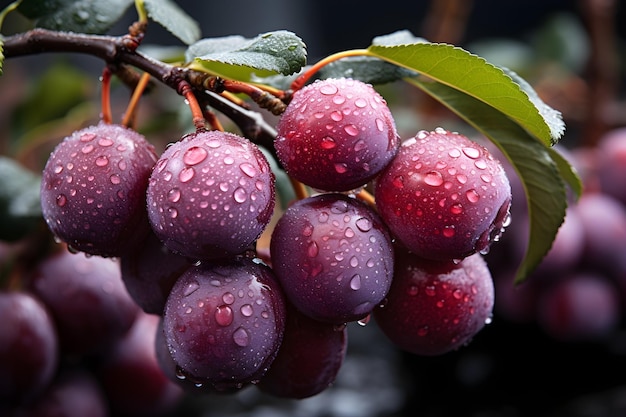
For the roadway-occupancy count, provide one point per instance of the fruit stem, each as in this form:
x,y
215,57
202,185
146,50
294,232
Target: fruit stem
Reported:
x,y
213,121
106,96
299,188
134,100
367,197
184,89
299,82
263,98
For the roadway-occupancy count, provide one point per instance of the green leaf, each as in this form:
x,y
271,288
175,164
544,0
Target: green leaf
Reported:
x,y
236,57
367,69
169,15
567,172
82,16
475,77
533,161
20,206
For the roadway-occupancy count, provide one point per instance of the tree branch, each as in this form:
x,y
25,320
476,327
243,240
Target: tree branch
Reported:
x,y
119,53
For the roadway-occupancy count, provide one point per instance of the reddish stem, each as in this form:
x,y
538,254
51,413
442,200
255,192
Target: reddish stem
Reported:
x,y
106,96
213,121
134,100
184,89
261,97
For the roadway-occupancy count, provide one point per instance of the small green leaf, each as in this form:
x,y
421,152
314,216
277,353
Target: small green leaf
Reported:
x,y
479,79
541,176
83,16
236,57
20,206
169,15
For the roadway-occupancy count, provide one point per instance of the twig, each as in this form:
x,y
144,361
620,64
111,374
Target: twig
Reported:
x,y
117,53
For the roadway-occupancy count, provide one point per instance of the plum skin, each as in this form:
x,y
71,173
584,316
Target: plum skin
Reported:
x,y
93,189
336,135
444,196
210,195
436,307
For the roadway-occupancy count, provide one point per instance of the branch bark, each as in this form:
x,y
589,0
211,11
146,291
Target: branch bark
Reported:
x,y
119,53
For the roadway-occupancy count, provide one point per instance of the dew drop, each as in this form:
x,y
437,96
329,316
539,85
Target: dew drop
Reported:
x,y
448,231
471,152
228,298
355,282
161,164
456,208
87,149
224,315
61,200
422,134
328,143
115,179
364,224
248,169
191,288
480,164
341,168
241,337
240,195
351,130
454,153
433,178
472,196
329,89
194,155
214,143
354,262
360,145
246,310
186,174
105,142
337,116
430,290
339,99
360,102
174,195
422,331
172,212
86,137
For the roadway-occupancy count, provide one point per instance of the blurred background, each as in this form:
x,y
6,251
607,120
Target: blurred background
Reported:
x,y
557,343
